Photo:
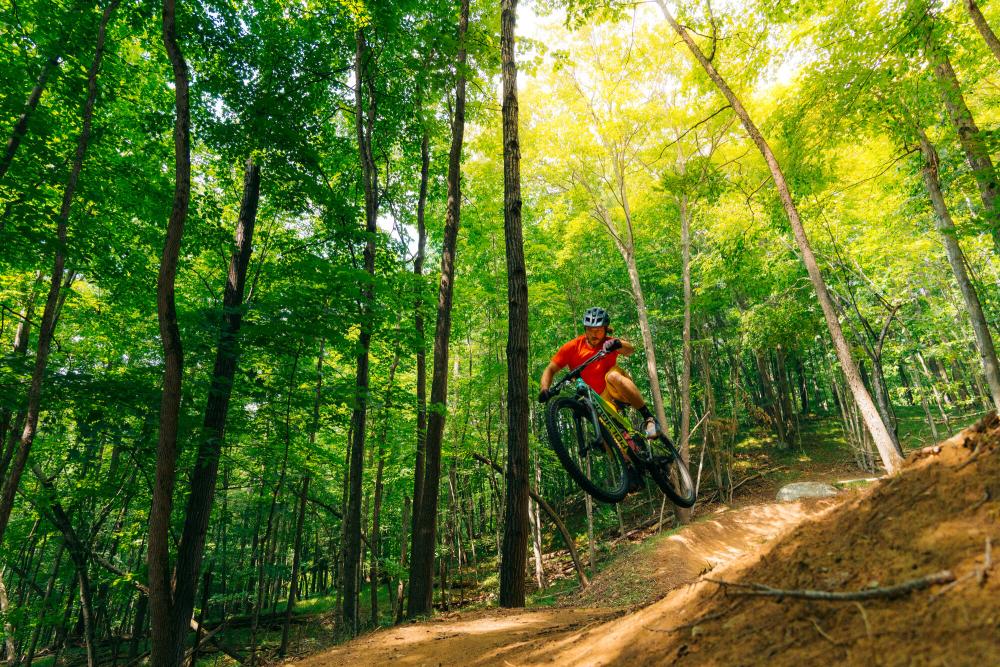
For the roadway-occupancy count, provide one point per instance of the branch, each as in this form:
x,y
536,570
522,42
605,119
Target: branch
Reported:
x,y
942,577
541,502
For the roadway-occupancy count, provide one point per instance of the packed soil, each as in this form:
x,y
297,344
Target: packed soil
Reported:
x,y
939,516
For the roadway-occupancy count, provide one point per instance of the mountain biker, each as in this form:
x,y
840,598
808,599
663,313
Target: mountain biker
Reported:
x,y
603,376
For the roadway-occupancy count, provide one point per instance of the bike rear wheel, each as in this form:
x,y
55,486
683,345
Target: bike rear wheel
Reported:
x,y
670,474
599,468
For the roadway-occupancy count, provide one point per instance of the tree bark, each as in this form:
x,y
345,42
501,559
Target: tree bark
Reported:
x,y
293,586
10,651
945,225
365,121
536,527
515,538
164,651
686,334
770,399
890,457
983,27
206,467
403,542
418,267
976,153
425,506
49,316
784,389
647,334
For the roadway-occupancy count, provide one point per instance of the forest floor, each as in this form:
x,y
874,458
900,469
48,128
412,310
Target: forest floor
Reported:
x,y
662,602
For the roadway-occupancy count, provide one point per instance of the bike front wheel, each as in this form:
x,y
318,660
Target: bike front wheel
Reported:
x,y
591,459
670,474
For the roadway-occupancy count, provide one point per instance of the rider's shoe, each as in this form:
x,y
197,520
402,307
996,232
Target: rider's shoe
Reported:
x,y
651,428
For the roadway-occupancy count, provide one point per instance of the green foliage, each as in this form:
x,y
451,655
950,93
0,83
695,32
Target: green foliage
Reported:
x,y
621,131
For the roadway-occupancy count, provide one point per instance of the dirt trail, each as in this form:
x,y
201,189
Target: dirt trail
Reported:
x,y
941,513
497,636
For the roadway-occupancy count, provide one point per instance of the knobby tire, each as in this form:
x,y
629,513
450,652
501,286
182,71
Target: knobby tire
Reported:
x,y
681,493
565,440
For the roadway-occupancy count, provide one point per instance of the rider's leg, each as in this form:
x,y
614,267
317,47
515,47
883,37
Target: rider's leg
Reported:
x,y
622,388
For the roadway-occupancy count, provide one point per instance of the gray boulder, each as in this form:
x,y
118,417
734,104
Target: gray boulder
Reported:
x,y
799,490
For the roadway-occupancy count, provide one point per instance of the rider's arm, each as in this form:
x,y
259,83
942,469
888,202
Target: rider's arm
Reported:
x,y
627,348
547,374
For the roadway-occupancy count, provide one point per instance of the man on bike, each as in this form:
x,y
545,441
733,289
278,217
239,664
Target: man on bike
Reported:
x,y
603,376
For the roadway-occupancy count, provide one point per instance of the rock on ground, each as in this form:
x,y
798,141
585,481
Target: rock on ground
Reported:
x,y
799,490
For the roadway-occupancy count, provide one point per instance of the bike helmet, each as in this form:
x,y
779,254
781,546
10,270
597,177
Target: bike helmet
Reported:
x,y
596,317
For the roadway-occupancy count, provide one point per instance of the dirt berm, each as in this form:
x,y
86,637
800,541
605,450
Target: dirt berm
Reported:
x,y
941,514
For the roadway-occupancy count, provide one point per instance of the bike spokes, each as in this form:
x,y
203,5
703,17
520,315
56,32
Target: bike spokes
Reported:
x,y
588,455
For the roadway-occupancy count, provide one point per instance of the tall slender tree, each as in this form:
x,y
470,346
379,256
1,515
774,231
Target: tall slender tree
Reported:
x,y
983,27
946,226
425,525
969,135
365,122
514,554
889,453
206,466
47,327
163,650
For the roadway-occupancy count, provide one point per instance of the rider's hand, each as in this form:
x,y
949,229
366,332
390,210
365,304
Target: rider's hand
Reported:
x,y
544,395
612,344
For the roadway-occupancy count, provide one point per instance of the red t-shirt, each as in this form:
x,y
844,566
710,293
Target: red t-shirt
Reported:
x,y
577,351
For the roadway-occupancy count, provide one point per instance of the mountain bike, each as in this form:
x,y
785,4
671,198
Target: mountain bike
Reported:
x,y
602,452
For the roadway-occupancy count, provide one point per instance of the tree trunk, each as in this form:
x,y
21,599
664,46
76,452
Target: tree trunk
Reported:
x,y
36,632
365,121
560,526
686,335
784,390
293,586
206,467
946,226
293,590
882,399
375,535
591,550
801,381
536,527
21,127
79,554
206,589
890,457
647,335
770,400
403,542
8,630
907,383
972,140
515,538
21,336
49,316
983,27
931,380
926,407
418,267
164,651
425,523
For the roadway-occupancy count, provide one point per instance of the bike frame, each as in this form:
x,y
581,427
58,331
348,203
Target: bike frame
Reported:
x,y
603,412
